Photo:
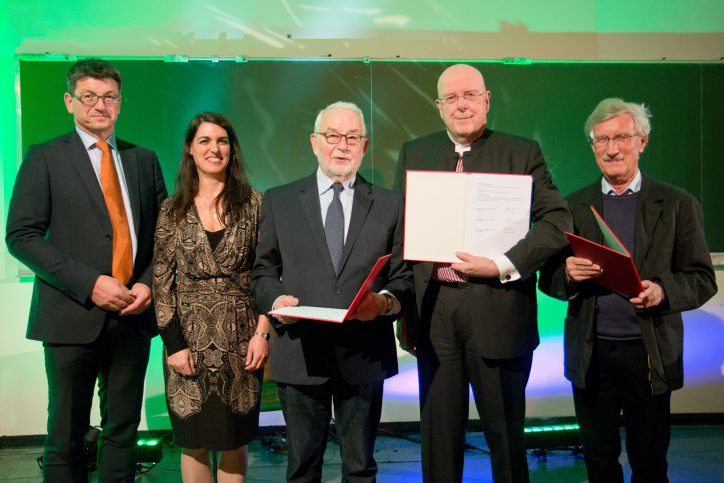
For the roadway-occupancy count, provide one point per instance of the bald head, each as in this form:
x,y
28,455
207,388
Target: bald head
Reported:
x,y
457,72
463,102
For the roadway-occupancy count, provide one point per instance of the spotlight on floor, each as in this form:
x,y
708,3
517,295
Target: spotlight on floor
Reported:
x,y
548,437
150,451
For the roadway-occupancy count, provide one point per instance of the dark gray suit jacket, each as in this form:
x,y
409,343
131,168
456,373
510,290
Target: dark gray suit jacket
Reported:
x,y
670,248
292,258
58,226
507,326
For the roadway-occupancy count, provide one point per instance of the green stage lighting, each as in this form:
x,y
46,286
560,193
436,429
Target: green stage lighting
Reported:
x,y
150,450
548,437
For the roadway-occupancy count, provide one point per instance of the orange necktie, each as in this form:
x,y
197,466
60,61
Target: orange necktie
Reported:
x,y
122,253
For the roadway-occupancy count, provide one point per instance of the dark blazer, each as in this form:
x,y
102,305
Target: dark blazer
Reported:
x,y
508,312
670,249
292,258
59,227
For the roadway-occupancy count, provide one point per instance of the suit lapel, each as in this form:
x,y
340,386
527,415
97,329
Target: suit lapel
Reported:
x,y
589,227
479,158
309,199
447,152
444,151
649,214
441,155
78,157
129,160
360,209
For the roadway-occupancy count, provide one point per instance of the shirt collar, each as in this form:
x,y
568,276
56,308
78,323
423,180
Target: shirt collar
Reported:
x,y
324,183
633,187
459,148
89,141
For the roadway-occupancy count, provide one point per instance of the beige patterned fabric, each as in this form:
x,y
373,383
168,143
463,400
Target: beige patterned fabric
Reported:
x,y
207,294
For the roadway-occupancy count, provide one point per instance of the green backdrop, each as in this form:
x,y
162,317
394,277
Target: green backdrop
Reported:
x,y
273,104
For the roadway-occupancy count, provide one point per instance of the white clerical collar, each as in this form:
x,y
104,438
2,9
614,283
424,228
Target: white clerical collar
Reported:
x,y
459,148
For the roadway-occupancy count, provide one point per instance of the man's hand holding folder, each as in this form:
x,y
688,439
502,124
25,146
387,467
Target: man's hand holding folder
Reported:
x,y
620,275
652,295
286,301
474,266
581,269
367,305
372,306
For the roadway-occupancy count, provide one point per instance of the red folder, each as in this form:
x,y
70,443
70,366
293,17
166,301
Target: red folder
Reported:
x,y
335,315
619,271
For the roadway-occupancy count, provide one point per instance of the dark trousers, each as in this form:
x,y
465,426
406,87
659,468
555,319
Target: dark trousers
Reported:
x,y
618,380
118,360
307,413
448,364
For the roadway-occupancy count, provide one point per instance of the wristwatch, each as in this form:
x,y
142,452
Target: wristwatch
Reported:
x,y
390,303
264,335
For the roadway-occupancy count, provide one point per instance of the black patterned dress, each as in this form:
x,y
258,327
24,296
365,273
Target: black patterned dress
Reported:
x,y
202,299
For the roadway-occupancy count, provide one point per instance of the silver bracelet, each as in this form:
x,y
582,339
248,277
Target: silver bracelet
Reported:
x,y
264,335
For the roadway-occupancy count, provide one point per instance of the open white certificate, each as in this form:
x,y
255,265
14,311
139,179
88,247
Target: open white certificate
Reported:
x,y
484,214
327,314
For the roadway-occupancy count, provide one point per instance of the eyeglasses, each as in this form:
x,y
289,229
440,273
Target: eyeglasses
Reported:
x,y
90,100
335,138
469,96
620,140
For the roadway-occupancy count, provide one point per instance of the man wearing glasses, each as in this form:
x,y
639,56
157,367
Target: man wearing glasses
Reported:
x,y
625,353
477,319
318,239
82,217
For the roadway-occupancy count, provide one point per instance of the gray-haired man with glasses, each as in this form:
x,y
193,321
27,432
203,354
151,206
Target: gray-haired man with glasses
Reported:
x,y
335,138
624,354
318,239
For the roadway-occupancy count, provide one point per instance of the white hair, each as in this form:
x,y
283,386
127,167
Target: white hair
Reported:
x,y
341,105
612,107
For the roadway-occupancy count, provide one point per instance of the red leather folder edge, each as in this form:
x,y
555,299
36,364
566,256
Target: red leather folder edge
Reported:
x,y
619,271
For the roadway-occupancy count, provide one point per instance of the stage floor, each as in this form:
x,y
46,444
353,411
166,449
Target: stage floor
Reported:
x,y
695,455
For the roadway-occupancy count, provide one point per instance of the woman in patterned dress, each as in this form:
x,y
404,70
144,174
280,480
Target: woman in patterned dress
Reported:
x,y
215,342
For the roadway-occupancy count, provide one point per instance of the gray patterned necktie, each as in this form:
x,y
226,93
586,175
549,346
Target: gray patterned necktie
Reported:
x,y
334,227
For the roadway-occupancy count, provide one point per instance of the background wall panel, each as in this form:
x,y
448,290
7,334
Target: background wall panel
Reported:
x,y
273,105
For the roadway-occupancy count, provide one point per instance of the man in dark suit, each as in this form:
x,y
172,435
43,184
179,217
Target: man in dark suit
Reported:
x,y
82,217
477,319
313,362
625,354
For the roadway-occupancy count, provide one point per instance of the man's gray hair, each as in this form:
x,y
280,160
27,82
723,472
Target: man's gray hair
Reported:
x,y
612,107
341,105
